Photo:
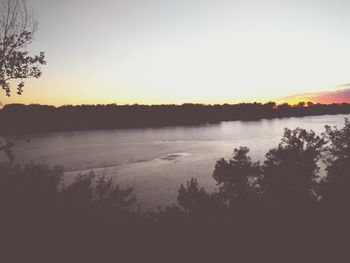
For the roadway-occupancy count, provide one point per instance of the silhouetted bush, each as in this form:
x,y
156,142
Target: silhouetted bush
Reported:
x,y
38,191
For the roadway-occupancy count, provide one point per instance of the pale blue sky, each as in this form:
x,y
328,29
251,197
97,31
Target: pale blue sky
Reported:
x,y
164,51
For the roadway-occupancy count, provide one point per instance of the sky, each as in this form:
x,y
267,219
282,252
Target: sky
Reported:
x,y
199,51
340,95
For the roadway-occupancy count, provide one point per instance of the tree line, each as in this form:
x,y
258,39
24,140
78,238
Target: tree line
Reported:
x,y
19,118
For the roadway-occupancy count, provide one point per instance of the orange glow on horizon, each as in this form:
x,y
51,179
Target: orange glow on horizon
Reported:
x,y
326,97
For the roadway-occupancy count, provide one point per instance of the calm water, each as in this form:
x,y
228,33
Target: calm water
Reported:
x,y
155,161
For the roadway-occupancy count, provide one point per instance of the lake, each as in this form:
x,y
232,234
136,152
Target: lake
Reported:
x,y
155,161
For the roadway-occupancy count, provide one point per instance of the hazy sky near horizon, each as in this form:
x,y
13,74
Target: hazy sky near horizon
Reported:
x,y
176,51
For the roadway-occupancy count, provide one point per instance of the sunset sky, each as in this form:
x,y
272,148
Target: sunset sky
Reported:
x,y
201,51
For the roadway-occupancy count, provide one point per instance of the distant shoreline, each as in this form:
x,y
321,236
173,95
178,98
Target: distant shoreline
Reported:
x,y
19,119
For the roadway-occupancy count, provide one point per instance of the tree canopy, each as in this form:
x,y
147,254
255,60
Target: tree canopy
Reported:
x,y
17,28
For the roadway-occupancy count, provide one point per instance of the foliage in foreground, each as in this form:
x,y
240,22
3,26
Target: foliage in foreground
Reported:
x,y
305,175
37,191
295,201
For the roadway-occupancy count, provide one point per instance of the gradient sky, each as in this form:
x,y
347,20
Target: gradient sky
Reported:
x,y
167,51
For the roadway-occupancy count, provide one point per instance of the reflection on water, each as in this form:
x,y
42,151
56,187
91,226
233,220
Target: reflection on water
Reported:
x,y
157,160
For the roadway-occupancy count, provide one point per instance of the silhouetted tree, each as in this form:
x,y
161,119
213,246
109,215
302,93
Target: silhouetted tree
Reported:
x,y
191,197
111,195
238,178
95,199
310,104
194,204
79,194
335,190
291,169
301,104
17,27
